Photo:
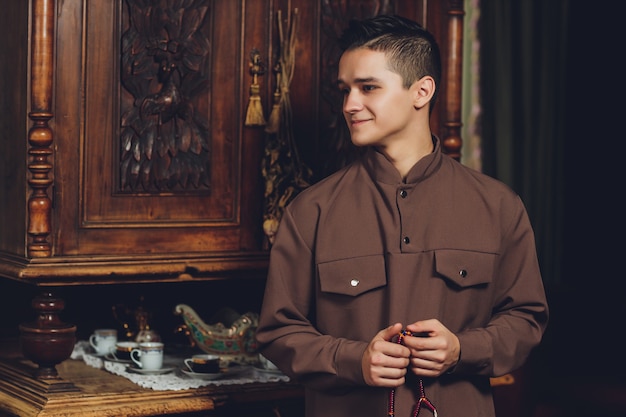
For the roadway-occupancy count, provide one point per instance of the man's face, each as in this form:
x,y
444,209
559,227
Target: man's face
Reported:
x,y
378,109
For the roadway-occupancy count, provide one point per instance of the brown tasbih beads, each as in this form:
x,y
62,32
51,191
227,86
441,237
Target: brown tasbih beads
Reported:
x,y
421,401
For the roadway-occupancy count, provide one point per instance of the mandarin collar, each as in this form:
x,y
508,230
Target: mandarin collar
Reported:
x,y
382,170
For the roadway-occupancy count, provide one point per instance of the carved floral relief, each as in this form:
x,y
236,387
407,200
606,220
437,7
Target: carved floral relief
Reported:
x,y
165,142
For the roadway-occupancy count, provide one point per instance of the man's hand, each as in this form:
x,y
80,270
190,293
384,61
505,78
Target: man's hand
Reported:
x,y
385,362
435,350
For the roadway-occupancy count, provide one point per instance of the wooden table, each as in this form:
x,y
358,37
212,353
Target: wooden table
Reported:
x,y
84,391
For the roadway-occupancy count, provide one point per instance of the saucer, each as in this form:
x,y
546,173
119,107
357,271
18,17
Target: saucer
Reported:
x,y
207,377
161,371
98,355
223,373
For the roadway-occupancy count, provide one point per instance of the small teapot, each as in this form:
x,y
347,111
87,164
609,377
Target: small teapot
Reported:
x,y
141,331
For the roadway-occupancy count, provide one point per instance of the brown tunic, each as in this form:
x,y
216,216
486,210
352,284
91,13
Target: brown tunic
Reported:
x,y
364,249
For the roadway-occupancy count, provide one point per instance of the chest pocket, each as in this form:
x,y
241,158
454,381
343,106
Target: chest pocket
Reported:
x,y
352,276
465,268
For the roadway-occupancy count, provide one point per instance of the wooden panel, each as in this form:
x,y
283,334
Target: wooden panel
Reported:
x,y
257,34
105,203
304,88
100,214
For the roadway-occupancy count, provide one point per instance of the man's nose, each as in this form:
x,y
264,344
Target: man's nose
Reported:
x,y
352,102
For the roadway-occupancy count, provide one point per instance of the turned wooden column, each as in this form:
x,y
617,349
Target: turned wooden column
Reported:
x,y
40,136
451,140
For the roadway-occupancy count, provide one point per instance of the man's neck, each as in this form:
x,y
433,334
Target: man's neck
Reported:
x,y
405,157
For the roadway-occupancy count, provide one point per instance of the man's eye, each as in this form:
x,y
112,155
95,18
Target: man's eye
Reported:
x,y
369,87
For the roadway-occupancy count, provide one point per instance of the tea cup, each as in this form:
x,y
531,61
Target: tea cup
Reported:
x,y
103,341
148,356
203,363
122,350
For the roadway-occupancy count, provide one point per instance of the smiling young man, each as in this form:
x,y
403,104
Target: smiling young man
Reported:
x,y
402,282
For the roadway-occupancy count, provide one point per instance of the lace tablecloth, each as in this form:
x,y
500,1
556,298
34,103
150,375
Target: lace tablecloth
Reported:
x,y
175,380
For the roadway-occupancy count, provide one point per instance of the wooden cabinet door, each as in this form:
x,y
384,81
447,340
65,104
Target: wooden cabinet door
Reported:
x,y
152,157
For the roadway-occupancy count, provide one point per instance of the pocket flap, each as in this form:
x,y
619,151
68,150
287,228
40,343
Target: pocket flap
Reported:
x,y
352,276
465,268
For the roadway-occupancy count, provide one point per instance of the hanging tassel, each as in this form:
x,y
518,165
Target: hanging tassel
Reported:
x,y
254,115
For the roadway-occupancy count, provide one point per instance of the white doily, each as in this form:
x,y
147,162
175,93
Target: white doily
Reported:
x,y
175,380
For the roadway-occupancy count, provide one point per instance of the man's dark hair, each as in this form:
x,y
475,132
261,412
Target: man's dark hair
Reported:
x,y
412,51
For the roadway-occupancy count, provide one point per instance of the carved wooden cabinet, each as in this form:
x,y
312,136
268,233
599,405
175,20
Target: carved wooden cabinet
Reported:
x,y
125,155
133,160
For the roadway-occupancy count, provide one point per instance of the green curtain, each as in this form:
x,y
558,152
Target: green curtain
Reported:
x,y
522,91
471,107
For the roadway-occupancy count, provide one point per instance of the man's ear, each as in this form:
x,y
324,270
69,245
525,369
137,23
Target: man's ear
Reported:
x,y
423,90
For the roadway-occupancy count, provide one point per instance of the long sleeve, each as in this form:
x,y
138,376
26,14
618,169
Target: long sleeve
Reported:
x,y
286,335
520,310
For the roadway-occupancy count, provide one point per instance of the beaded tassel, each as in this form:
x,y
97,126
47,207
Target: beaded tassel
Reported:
x,y
254,115
422,400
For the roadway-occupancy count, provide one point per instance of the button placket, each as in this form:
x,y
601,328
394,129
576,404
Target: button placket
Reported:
x,y
403,193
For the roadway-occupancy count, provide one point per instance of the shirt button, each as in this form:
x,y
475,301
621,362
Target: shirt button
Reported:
x,y
354,282
463,273
406,240
403,193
